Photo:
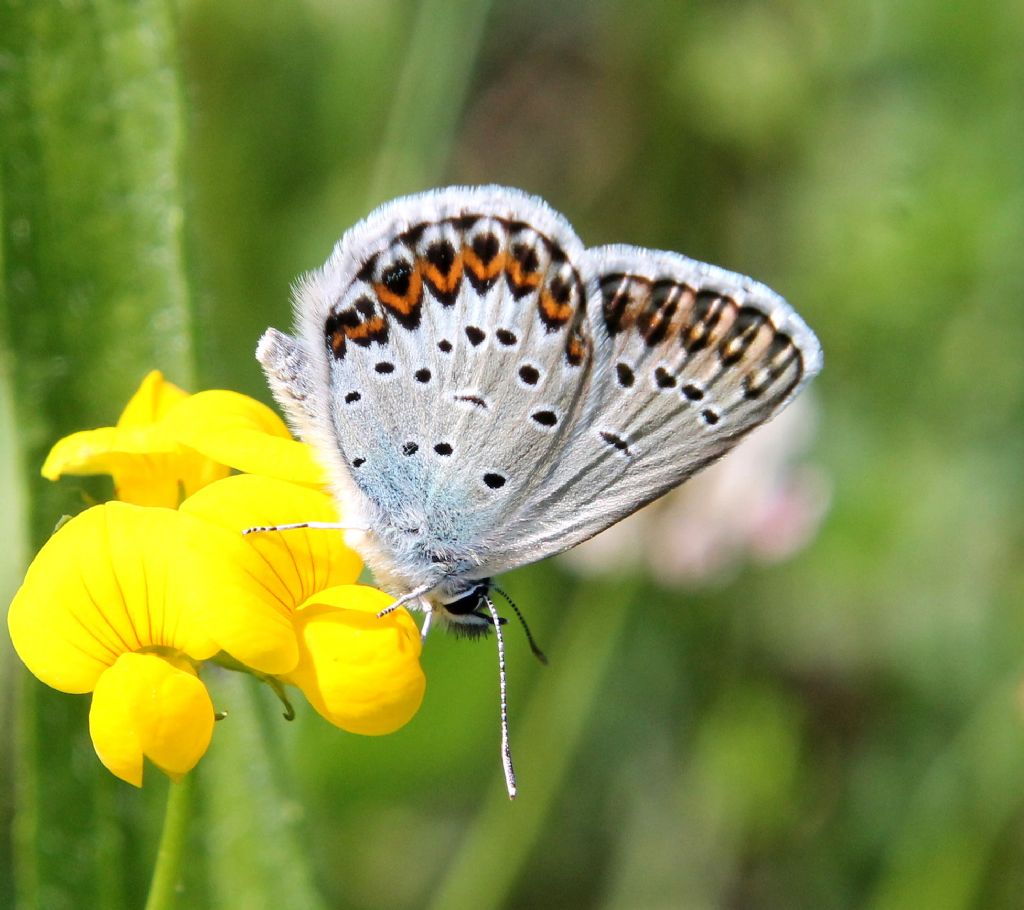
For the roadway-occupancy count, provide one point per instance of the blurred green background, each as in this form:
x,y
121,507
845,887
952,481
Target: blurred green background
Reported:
x,y
841,730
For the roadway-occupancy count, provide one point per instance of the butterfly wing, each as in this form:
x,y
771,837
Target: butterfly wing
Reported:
x,y
486,392
697,357
443,361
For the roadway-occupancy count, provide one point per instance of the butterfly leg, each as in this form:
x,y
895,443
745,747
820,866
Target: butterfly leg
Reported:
x,y
314,525
428,617
404,599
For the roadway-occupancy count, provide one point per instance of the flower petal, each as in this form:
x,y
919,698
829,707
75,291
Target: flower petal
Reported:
x,y
153,399
146,706
148,465
248,587
161,481
360,672
103,451
100,588
239,431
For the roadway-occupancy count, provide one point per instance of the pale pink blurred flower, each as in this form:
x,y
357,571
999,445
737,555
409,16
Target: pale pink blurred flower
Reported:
x,y
763,502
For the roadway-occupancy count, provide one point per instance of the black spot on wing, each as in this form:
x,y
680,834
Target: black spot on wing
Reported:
x,y
366,272
616,300
396,278
412,236
741,334
654,321
616,442
486,247
663,378
441,255
705,315
529,374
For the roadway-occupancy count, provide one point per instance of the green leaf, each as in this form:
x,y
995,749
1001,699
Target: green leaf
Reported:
x,y
93,293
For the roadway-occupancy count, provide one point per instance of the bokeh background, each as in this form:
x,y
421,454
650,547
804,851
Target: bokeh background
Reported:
x,y
818,709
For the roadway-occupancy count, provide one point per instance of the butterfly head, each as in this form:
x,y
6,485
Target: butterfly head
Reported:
x,y
465,612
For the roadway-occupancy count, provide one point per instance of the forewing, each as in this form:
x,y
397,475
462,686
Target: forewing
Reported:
x,y
445,356
697,357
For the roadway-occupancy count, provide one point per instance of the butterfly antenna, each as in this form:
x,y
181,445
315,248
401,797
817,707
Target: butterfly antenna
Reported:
x,y
537,652
506,752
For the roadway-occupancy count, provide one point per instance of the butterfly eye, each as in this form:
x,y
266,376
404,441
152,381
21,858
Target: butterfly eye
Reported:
x,y
466,603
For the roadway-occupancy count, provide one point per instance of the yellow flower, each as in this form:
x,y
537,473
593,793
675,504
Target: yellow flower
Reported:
x,y
360,672
248,587
285,603
98,613
125,601
147,705
168,443
148,466
233,429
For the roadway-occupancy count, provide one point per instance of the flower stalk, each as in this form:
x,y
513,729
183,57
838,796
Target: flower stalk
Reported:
x,y
170,854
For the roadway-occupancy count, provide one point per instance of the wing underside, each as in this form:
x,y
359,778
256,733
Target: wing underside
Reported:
x,y
698,358
487,392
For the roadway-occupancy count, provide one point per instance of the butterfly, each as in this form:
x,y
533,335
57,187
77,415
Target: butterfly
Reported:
x,y
485,391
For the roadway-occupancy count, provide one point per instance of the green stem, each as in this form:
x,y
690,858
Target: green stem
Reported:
x,y
428,100
169,856
228,662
